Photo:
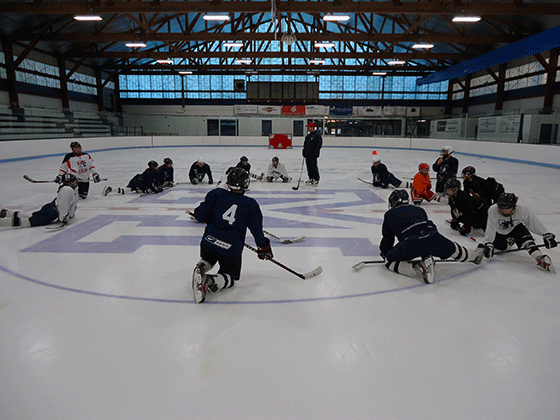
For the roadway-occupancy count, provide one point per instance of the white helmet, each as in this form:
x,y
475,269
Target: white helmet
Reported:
x,y
376,158
447,149
201,160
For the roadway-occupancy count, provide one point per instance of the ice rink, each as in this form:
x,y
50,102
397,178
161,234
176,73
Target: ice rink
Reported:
x,y
97,320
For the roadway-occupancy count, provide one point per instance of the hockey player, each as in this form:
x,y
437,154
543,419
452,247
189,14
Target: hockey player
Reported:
x,y
382,177
227,214
467,212
61,209
165,173
510,223
422,186
198,170
488,188
277,170
146,182
311,151
418,237
244,164
445,167
79,164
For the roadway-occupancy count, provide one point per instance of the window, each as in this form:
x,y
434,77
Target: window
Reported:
x,y
228,128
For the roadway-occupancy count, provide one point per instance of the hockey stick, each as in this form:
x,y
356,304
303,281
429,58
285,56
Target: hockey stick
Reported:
x,y
365,182
507,251
285,241
27,178
459,230
300,175
305,276
359,265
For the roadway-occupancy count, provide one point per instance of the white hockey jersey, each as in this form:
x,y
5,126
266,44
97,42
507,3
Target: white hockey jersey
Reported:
x,y
80,166
498,223
67,202
280,170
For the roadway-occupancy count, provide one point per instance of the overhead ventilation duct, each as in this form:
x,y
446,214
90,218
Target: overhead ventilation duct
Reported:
x,y
534,44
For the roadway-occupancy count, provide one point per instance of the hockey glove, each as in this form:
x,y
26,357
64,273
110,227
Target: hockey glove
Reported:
x,y
455,224
549,240
58,179
194,181
265,252
168,184
96,178
464,230
488,249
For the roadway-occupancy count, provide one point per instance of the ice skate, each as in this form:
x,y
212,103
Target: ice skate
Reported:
x,y
314,183
199,283
545,263
3,213
426,268
106,190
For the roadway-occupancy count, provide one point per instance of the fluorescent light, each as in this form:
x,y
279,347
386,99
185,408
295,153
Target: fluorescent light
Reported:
x,y
423,46
336,18
396,62
379,73
243,61
216,17
233,44
466,18
185,72
168,61
88,18
324,44
317,61
135,44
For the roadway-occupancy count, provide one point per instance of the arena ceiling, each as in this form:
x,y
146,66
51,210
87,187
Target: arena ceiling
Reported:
x,y
376,33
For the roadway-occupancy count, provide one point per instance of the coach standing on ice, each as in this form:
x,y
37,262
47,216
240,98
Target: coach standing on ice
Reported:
x,y
311,149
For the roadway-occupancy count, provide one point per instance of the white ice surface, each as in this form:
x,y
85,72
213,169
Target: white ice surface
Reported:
x,y
115,335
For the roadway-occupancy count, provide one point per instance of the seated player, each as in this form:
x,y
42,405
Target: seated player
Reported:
x,y
277,170
422,186
147,182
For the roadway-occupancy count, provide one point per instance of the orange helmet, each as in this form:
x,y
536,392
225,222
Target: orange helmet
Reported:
x,y
423,166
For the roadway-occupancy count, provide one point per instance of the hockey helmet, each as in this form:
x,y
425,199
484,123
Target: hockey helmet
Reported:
x,y
201,160
507,201
447,149
469,170
275,159
238,180
152,164
167,161
244,159
398,198
68,179
423,166
75,144
376,158
453,184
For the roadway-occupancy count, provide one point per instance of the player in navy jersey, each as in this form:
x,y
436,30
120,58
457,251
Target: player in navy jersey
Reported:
x,y
445,167
418,237
382,177
199,170
227,214
165,173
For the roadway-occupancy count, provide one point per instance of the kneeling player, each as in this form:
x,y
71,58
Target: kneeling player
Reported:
x,y
227,214
277,170
418,237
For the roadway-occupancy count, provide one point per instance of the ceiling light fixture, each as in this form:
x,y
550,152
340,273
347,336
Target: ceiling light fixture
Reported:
x,y
243,61
324,44
466,18
233,44
185,72
317,61
423,46
168,61
379,73
216,17
88,18
135,44
396,62
336,18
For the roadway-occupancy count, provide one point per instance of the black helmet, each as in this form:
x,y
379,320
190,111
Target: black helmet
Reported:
x,y
507,201
469,170
275,159
244,159
75,144
167,161
238,180
398,198
67,179
453,184
152,164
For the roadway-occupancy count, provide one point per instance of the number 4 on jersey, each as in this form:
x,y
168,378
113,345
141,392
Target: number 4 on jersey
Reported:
x,y
229,215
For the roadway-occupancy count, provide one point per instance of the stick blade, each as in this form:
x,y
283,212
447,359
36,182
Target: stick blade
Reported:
x,y
358,265
294,241
295,188
313,273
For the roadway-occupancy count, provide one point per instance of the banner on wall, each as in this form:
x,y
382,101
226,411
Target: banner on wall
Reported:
x,y
452,126
487,125
340,110
245,109
269,110
293,110
510,124
316,110
368,111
